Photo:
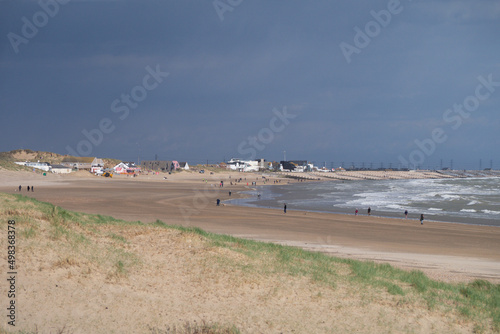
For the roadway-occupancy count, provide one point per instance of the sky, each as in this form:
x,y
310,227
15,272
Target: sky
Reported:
x,y
371,83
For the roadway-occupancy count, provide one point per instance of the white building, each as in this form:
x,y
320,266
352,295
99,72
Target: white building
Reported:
x,y
45,166
245,165
97,165
60,169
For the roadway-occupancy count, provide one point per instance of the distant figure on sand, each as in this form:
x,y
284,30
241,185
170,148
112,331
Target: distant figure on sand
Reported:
x,y
20,188
218,202
32,189
406,214
369,211
422,219
28,188
284,208
356,212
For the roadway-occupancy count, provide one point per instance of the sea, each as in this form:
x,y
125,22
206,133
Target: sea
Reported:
x,y
462,200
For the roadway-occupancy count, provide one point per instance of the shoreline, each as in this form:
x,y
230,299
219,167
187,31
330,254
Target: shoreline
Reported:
x,y
340,213
444,251
272,203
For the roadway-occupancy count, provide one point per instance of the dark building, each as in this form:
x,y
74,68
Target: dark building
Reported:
x,y
157,165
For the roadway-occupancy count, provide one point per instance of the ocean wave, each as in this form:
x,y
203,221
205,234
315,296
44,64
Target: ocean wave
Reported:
x,y
395,207
435,209
468,210
450,197
491,212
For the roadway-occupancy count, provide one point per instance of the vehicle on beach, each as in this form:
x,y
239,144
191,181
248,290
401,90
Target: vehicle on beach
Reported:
x,y
103,173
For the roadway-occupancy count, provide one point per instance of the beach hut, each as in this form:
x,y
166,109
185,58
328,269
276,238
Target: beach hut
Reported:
x,y
78,162
184,165
60,169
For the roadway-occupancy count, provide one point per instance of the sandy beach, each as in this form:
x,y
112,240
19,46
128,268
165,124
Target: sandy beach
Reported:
x,y
114,277
444,251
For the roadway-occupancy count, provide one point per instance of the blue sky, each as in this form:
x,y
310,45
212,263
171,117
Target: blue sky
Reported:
x,y
401,82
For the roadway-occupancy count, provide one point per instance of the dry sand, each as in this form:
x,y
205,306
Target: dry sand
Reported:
x,y
181,279
444,251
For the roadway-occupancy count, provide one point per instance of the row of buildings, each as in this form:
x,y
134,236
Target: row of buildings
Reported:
x,y
96,166
261,164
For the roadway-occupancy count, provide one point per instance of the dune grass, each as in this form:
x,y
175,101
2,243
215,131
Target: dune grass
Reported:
x,y
70,231
478,301
194,328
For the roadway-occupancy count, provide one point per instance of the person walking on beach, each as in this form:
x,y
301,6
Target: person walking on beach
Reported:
x,y
406,214
422,219
284,208
32,189
369,211
356,212
20,188
28,188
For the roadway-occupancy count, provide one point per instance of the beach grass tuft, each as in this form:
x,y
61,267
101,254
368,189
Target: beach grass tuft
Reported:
x,y
195,328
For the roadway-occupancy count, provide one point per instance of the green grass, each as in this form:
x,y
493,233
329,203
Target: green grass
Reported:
x,y
70,229
478,301
118,238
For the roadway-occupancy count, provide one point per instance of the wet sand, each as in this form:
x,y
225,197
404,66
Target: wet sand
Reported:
x,y
449,252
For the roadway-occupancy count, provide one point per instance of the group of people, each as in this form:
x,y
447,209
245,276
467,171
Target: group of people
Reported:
x,y
369,212
32,188
421,217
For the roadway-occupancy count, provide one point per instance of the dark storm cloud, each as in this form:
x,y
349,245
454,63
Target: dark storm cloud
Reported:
x,y
226,76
